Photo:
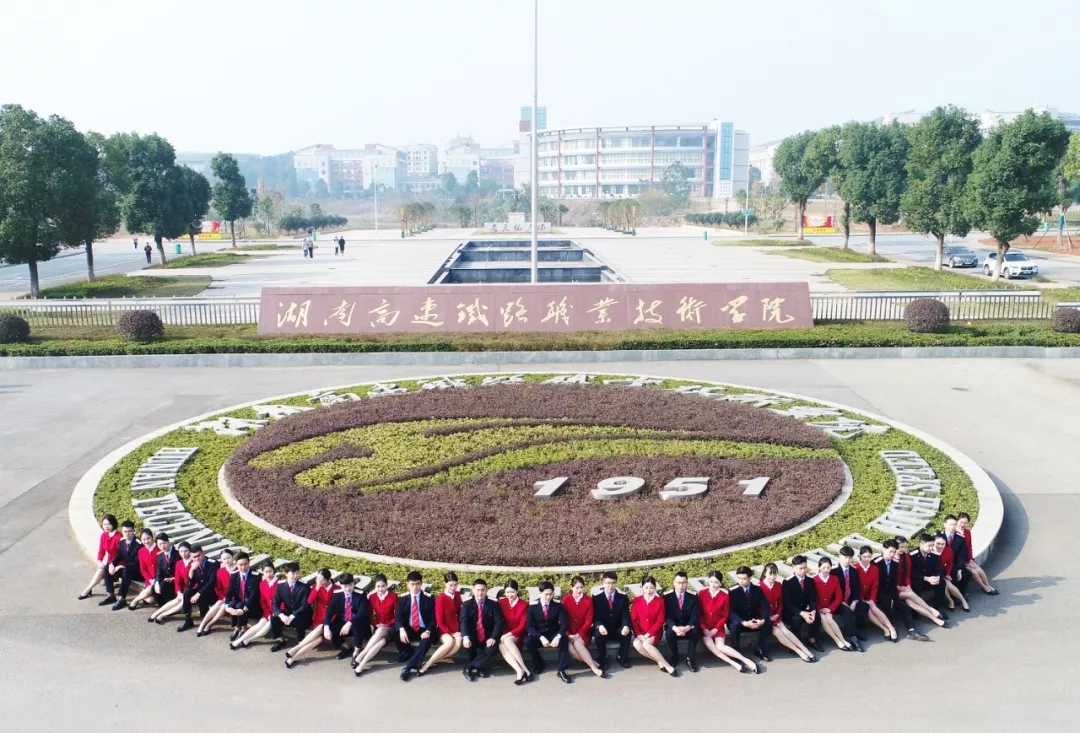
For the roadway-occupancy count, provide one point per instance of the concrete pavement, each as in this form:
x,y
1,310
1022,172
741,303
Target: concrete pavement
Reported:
x,y
1010,664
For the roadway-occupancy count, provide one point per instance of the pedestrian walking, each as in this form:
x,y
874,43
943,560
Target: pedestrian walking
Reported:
x,y
135,241
148,251
341,244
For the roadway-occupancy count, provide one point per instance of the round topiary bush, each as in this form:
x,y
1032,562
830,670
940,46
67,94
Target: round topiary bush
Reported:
x,y
13,329
140,325
926,315
1066,320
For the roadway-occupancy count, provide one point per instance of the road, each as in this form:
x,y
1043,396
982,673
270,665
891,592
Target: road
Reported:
x,y
1009,665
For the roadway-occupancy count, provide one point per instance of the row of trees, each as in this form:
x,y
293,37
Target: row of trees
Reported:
x,y
733,219
940,175
63,188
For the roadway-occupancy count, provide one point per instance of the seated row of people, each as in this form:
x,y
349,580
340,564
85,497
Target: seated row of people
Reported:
x,y
839,603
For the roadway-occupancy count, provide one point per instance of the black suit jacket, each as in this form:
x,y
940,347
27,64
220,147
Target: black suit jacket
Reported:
x,y
922,567
888,580
799,598
959,551
743,608
614,617
128,555
335,611
427,613
249,600
557,622
856,584
493,620
203,578
166,566
291,603
688,615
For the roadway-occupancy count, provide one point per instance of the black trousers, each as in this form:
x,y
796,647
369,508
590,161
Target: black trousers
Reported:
x,y
167,593
692,638
301,623
205,601
532,643
480,654
894,607
961,578
128,574
736,630
416,661
935,594
234,621
601,646
803,630
848,620
110,579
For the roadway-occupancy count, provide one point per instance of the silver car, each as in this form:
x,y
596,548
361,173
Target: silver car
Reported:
x,y
959,256
1016,264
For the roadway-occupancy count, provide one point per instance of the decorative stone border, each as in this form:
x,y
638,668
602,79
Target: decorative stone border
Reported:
x,y
989,520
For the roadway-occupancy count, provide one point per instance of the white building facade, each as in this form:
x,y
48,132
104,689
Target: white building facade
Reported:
x,y
422,160
761,157
351,170
618,162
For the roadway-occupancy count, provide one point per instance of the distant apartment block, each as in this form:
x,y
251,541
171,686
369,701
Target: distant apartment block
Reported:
x,y
422,159
352,170
462,155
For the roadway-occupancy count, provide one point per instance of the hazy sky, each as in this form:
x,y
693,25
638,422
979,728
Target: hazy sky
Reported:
x,y
269,76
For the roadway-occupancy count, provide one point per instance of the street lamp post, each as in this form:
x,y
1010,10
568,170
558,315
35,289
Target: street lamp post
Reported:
x,y
375,186
532,167
746,202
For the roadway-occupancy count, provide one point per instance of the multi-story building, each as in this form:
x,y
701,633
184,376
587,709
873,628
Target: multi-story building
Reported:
x,y
422,160
761,157
525,122
462,156
351,170
616,162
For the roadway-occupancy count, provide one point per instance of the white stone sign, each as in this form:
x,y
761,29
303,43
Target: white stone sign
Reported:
x,y
276,412
232,426
917,497
158,472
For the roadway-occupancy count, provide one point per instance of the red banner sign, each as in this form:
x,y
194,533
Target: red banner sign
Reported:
x,y
524,307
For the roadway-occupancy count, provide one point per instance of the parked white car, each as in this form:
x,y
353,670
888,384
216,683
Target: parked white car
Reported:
x,y
1016,264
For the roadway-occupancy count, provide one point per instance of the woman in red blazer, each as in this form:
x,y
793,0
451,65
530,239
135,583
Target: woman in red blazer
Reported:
x,y
107,546
579,609
773,590
952,593
713,602
267,587
514,611
870,584
447,621
963,519
383,603
829,598
221,587
647,616
147,568
180,582
319,598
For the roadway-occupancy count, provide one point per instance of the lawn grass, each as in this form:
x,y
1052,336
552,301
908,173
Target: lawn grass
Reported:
x,y
829,254
759,243
210,259
915,278
124,286
267,247
1062,295
82,340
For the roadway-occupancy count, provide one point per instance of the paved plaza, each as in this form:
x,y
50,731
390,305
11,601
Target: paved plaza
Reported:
x,y
1011,663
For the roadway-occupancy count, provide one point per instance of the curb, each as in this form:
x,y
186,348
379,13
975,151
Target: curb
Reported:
x,y
87,529
468,358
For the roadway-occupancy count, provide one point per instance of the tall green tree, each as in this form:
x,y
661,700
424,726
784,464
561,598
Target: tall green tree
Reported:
x,y
822,162
472,183
941,150
798,180
231,197
152,191
873,158
46,166
92,209
1012,179
1069,180
197,195
449,183
675,182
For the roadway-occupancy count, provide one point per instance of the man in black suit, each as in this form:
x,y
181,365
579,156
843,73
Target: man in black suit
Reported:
x,y
546,624
481,627
611,620
800,605
242,601
854,611
348,616
888,599
415,621
682,614
749,612
958,543
165,578
291,607
202,586
126,562
926,573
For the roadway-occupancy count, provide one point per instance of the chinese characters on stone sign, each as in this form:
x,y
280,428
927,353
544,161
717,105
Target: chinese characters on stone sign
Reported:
x,y
523,307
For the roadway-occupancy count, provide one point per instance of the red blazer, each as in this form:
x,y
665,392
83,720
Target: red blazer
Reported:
x,y
714,611
221,585
148,563
947,561
266,596
581,616
107,546
648,617
870,579
829,594
903,575
180,580
514,617
448,613
775,597
382,612
966,534
319,599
